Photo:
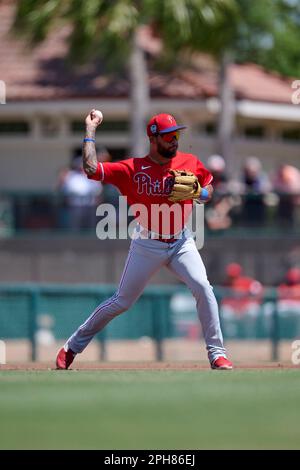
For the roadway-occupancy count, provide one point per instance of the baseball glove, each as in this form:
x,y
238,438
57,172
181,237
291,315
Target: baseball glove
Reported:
x,y
186,186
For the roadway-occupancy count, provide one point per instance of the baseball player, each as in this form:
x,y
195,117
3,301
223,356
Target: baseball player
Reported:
x,y
164,176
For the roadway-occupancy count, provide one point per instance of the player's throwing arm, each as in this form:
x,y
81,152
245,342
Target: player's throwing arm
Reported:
x,y
92,121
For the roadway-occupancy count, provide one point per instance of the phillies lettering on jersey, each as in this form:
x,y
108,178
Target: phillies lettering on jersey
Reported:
x,y
146,182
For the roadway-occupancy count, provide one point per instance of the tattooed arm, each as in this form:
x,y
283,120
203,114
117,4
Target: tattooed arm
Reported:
x,y
89,155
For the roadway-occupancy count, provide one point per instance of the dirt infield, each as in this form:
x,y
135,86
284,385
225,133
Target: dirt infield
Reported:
x,y
122,355
180,366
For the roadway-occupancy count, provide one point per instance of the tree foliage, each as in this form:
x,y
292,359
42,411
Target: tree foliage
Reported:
x,y
269,34
104,28
265,32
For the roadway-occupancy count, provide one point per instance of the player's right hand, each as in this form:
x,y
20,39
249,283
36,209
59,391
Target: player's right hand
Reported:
x,y
94,119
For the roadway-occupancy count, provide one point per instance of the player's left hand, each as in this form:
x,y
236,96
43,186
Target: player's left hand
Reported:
x,y
186,186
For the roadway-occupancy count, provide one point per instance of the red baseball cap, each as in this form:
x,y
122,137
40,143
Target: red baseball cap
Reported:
x,y
162,124
293,275
234,270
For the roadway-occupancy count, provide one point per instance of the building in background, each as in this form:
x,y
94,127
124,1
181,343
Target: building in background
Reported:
x,y
42,123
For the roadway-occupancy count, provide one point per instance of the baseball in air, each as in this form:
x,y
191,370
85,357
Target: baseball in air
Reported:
x,y
99,114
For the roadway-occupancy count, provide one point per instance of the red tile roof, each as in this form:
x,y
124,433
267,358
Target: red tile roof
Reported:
x,y
44,74
254,83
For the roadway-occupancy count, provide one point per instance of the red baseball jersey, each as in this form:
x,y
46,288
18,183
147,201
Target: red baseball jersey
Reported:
x,y
147,183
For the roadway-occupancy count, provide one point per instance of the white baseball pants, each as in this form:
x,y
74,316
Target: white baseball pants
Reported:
x,y
145,257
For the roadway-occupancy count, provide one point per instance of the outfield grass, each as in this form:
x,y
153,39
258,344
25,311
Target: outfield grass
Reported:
x,y
250,409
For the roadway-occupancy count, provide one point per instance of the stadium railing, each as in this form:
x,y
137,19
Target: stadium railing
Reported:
x,y
49,211
29,311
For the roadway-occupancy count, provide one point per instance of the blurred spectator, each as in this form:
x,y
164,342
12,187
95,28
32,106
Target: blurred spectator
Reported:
x,y
287,185
255,185
218,213
81,196
254,178
216,165
240,283
290,288
288,304
247,292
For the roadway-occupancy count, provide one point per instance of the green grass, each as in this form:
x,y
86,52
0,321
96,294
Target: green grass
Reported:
x,y
150,409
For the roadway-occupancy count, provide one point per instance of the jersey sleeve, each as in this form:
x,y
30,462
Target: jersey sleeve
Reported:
x,y
116,173
203,174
